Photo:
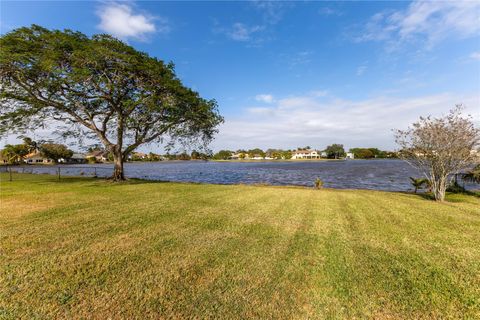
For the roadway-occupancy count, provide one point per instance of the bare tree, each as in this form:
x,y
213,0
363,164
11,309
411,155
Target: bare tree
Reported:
x,y
440,147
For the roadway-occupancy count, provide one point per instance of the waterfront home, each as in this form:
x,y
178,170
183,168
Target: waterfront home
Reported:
x,y
257,157
36,157
239,156
75,158
3,160
98,155
137,156
305,154
350,155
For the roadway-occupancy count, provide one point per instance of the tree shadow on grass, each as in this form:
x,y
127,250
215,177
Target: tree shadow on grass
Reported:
x,y
449,197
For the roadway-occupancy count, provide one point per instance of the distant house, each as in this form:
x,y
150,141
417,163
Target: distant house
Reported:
x,y
98,155
37,158
239,155
257,157
3,160
137,156
350,155
305,154
75,158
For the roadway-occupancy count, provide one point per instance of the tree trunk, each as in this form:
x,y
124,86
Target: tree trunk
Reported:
x,y
118,174
439,188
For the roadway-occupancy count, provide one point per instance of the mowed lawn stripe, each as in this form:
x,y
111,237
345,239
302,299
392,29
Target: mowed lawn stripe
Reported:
x,y
89,248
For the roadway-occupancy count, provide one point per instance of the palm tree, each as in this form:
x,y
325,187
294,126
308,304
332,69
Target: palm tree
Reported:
x,y
419,183
31,144
15,153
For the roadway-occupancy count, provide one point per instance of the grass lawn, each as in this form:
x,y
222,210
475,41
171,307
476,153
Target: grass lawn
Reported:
x,y
86,248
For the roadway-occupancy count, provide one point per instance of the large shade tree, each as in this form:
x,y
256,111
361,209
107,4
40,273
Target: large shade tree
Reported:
x,y
97,87
440,147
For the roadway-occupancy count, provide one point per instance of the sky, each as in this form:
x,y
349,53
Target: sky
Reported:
x,y
292,74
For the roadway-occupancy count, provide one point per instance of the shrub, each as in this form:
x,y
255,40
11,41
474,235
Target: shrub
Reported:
x,y
318,183
454,187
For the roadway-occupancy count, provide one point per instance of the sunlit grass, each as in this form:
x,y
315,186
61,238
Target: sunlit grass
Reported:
x,y
86,248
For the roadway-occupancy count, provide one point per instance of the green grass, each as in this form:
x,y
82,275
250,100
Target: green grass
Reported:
x,y
86,248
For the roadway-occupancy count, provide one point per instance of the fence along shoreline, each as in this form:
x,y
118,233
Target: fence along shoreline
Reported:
x,y
58,170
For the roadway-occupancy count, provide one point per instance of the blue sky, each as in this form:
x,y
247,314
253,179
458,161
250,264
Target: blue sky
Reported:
x,y
288,74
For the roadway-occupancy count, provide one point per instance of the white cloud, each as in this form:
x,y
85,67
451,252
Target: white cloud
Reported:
x,y
242,32
267,98
120,21
299,120
361,70
429,21
475,55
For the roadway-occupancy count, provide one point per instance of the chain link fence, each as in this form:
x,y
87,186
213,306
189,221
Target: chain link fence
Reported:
x,y
28,172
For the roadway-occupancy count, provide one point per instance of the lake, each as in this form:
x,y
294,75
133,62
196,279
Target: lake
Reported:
x,y
378,174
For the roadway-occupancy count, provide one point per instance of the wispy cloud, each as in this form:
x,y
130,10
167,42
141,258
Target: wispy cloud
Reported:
x,y
242,32
425,21
475,55
267,98
308,119
361,70
327,11
299,58
121,21
272,11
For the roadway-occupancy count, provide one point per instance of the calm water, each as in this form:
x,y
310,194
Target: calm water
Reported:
x,y
390,175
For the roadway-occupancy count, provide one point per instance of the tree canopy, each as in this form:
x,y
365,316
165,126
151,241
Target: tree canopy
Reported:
x,y
55,151
223,155
335,151
97,87
15,153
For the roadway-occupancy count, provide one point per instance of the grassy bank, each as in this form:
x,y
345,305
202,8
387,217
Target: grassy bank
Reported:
x,y
85,248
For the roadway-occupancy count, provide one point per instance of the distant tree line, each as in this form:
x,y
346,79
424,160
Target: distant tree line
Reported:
x,y
334,151
15,153
370,153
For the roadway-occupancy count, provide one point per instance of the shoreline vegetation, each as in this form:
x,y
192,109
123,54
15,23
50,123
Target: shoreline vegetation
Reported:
x,y
91,248
198,160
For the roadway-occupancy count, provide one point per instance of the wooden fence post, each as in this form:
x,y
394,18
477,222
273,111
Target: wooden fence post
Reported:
x,y
10,174
58,170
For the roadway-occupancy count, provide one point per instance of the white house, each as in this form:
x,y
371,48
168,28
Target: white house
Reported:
x,y
257,157
36,158
350,155
305,154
